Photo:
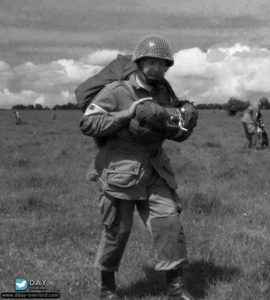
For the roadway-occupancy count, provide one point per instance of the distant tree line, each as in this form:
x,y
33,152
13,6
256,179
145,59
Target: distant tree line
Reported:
x,y
210,106
66,106
232,106
40,107
235,105
29,107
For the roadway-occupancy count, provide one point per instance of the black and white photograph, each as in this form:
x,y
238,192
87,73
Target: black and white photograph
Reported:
x,y
134,149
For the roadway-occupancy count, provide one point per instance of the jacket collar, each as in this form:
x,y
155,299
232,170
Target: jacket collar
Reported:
x,y
137,84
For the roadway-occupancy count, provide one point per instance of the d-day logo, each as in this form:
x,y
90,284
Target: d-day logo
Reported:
x,y
20,285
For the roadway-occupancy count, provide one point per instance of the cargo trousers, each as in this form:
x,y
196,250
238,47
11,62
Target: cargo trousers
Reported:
x,y
251,134
161,215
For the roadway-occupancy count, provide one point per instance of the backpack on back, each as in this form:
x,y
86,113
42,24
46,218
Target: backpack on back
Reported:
x,y
119,69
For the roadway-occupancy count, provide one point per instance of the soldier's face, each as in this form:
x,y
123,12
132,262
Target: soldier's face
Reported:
x,y
153,69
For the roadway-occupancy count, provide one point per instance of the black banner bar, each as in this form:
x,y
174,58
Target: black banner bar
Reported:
x,y
29,295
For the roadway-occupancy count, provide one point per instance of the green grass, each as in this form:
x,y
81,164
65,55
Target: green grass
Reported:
x,y
50,226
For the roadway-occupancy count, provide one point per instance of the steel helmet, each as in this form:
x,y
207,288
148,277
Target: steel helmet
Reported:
x,y
153,46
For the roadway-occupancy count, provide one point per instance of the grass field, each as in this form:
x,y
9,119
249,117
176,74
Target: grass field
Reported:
x,y
50,224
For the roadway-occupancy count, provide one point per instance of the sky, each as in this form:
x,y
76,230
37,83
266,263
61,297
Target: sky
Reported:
x,y
48,47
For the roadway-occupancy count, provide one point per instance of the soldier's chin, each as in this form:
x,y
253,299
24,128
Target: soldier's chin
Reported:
x,y
153,80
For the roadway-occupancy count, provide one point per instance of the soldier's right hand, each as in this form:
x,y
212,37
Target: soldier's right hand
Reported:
x,y
132,109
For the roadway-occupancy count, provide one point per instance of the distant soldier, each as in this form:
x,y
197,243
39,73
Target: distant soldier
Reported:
x,y
263,136
54,115
18,119
254,126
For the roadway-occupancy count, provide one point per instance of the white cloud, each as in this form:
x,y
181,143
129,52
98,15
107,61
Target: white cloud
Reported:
x,y
237,48
25,97
189,62
74,71
48,84
220,73
100,57
212,76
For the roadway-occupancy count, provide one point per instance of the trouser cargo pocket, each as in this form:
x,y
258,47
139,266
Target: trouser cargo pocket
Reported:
x,y
169,238
107,210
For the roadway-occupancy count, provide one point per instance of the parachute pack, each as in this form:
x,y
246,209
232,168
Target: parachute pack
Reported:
x,y
118,70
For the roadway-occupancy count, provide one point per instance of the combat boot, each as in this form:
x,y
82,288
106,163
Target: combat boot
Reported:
x,y
175,286
108,288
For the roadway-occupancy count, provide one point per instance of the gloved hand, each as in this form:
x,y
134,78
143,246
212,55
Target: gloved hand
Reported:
x,y
173,124
182,120
151,114
144,133
158,122
189,114
149,122
132,109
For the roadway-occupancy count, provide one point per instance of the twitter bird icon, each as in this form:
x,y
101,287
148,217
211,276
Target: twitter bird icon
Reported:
x,y
20,285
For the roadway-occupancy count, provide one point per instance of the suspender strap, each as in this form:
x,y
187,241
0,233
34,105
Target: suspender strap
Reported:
x,y
130,90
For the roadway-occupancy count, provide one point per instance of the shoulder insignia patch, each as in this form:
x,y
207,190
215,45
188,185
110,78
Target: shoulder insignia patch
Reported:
x,y
94,109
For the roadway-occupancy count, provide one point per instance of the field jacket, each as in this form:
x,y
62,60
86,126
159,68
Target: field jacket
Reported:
x,y
126,166
252,115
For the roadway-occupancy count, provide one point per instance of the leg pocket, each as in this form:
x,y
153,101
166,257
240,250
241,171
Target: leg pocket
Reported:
x,y
169,239
107,209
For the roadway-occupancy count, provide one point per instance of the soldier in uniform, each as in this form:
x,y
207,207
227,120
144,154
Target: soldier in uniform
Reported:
x,y
135,173
18,119
252,122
